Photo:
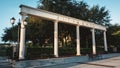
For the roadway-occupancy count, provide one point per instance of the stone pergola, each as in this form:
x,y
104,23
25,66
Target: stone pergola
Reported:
x,y
56,18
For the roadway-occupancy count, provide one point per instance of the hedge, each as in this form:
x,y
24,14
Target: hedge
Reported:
x,y
36,53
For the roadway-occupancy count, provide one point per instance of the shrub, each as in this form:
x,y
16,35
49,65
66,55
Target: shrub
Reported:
x,y
9,52
37,53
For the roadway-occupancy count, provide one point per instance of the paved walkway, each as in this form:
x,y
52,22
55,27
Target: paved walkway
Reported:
x,y
104,63
4,63
108,61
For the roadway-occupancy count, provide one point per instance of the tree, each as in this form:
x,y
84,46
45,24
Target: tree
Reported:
x,y
113,35
42,30
78,10
10,34
99,15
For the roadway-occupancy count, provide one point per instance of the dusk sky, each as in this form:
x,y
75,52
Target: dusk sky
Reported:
x,y
10,8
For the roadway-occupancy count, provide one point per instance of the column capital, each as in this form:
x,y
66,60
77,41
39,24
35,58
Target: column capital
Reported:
x,y
92,29
23,23
105,31
77,24
55,21
23,14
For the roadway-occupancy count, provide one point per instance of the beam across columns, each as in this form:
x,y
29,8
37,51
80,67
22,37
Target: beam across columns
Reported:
x,y
56,38
61,18
78,40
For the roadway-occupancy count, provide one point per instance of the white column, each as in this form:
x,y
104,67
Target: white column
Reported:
x,y
22,40
78,40
93,41
56,38
105,41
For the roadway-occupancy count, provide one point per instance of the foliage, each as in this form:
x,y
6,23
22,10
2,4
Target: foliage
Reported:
x,y
99,15
10,34
2,51
78,10
37,53
113,35
9,52
40,32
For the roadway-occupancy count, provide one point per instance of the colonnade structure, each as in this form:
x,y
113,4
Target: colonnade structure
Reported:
x,y
56,18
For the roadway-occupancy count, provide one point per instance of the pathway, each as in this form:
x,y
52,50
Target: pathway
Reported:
x,y
105,63
4,63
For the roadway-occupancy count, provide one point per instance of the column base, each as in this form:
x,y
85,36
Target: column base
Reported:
x,y
78,54
56,56
21,58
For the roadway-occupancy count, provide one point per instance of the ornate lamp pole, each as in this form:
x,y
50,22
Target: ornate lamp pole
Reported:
x,y
18,40
16,48
12,21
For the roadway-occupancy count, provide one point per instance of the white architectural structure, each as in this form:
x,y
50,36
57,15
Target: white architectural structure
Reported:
x,y
56,18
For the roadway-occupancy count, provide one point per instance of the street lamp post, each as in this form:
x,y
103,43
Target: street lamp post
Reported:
x,y
21,38
12,21
15,48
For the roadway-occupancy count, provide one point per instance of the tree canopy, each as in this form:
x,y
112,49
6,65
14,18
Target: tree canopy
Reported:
x,y
77,9
41,31
113,35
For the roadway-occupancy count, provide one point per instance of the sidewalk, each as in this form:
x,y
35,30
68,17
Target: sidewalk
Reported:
x,y
3,59
4,63
68,62
105,63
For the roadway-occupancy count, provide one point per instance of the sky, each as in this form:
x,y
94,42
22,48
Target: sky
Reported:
x,y
10,8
